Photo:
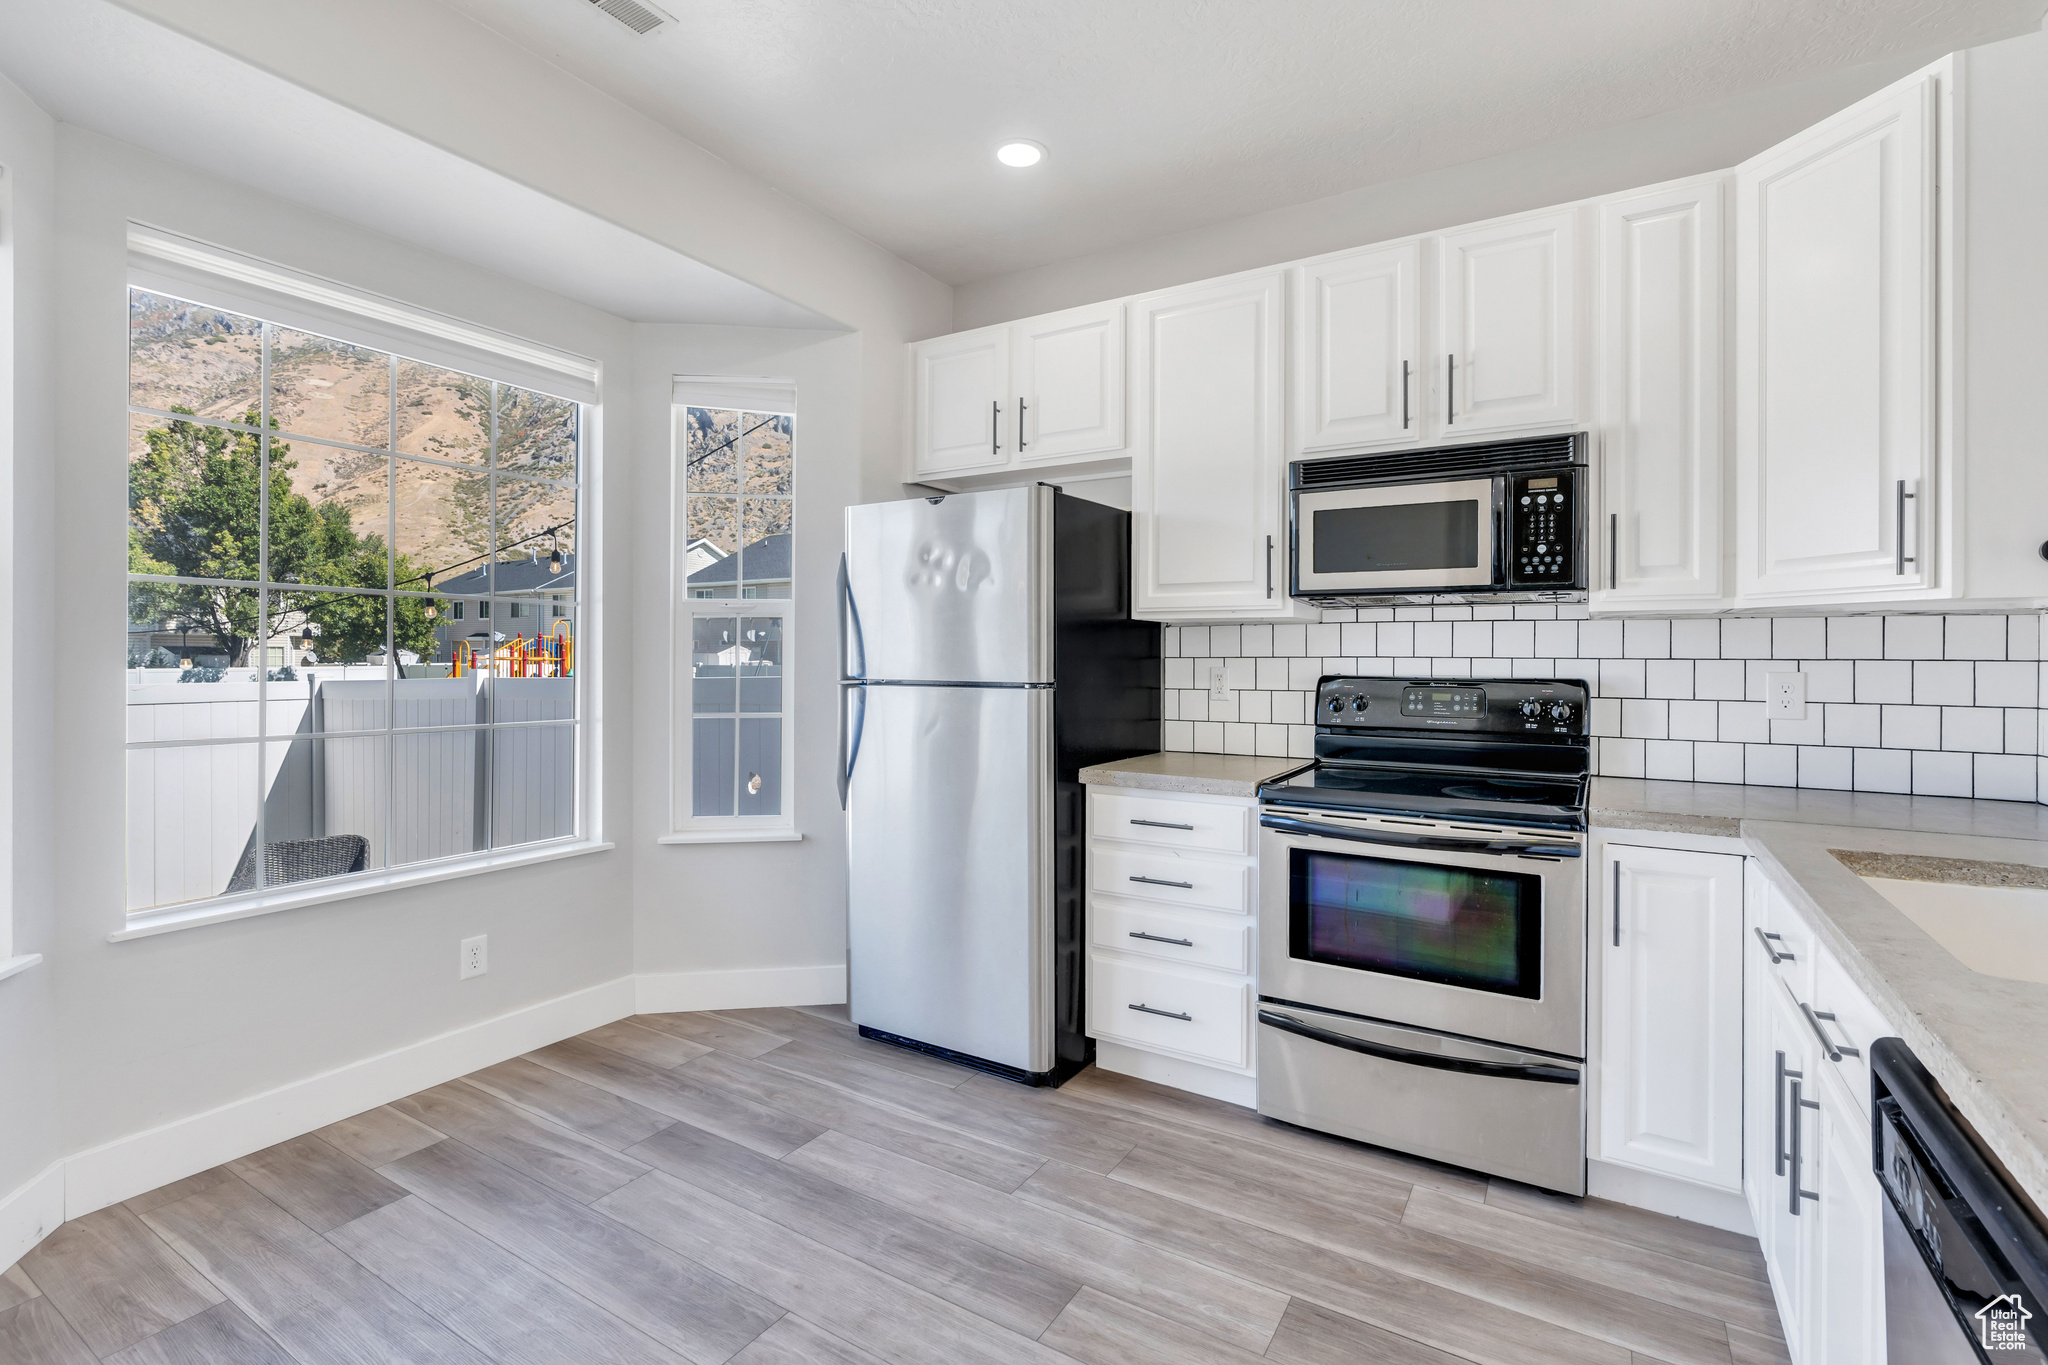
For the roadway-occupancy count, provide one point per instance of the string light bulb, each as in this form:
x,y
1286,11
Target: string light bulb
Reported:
x,y
555,554
432,611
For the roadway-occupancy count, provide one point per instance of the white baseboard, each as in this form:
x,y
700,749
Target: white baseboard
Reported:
x,y
1232,1087
750,988
31,1213
1724,1209
128,1166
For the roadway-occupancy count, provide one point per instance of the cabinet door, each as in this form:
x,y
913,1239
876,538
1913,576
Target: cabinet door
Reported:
x,y
1358,351
1836,275
1758,1064
958,403
1068,372
1660,396
1508,324
1671,1014
1784,1233
1206,481
1843,1240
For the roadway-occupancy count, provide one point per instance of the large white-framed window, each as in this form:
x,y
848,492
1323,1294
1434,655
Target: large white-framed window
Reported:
x,y
733,747
305,709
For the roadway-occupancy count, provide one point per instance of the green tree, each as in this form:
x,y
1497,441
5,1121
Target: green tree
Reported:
x,y
195,511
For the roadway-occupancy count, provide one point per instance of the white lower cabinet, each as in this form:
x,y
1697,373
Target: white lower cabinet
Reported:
x,y
1172,929
1671,1013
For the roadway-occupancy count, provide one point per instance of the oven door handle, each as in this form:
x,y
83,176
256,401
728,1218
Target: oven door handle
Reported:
x,y
1287,824
1554,1075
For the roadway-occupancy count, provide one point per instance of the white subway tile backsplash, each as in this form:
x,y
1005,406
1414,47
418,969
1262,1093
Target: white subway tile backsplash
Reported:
x,y
1925,704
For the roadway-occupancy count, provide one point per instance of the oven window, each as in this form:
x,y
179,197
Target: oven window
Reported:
x,y
1397,536
1459,926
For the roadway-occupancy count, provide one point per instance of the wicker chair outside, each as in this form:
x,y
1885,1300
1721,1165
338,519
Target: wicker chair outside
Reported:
x,y
301,860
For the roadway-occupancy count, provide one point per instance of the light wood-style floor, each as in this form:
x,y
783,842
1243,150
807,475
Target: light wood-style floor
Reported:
x,y
765,1187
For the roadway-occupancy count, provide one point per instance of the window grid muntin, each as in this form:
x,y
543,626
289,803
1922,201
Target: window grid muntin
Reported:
x,y
265,589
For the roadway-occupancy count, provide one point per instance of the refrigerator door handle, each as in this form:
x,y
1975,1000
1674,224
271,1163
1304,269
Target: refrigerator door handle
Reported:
x,y
854,664
849,734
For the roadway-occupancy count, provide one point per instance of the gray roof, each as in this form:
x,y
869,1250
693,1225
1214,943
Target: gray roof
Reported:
x,y
514,576
767,561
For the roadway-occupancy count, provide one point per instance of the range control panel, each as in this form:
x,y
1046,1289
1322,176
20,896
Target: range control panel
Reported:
x,y
1543,512
1502,706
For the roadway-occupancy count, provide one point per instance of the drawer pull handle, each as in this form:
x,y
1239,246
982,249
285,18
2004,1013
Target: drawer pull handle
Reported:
x,y
1163,1014
1161,938
1767,940
1162,824
1155,881
1835,1051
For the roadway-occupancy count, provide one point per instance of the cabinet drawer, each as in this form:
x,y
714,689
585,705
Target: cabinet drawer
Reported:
x,y
1195,940
1209,827
1216,1012
1856,1025
1178,879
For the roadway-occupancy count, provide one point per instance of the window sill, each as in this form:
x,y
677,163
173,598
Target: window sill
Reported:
x,y
149,923
14,966
734,836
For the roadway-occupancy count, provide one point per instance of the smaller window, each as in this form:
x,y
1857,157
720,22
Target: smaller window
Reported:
x,y
483,611
455,612
558,610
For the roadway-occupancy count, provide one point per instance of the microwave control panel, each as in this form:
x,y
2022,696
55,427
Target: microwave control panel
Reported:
x,y
1543,548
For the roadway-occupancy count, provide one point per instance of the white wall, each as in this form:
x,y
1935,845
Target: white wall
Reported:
x,y
1643,152
161,1028
29,1140
748,907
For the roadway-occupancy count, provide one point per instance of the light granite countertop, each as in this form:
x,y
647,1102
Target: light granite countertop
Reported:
x,y
1200,774
1984,1038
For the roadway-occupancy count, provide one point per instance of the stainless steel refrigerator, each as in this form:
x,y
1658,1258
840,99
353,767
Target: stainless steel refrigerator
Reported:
x,y
986,655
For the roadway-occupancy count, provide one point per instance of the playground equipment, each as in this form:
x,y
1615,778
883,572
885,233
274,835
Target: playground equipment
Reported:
x,y
552,655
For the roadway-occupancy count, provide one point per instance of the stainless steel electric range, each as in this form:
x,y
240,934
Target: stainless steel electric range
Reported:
x,y
1422,925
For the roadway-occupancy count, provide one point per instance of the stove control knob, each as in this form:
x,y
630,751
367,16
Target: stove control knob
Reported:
x,y
1560,711
1336,705
1532,709
1359,703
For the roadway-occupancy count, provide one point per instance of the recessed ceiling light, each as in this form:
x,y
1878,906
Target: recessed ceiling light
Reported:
x,y
1020,154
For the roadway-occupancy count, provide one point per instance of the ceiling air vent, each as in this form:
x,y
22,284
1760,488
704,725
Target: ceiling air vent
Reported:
x,y
642,19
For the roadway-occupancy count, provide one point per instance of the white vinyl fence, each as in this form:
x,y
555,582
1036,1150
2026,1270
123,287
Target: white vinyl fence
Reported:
x,y
412,796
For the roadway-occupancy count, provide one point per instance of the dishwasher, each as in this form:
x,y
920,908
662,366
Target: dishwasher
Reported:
x,y
1965,1255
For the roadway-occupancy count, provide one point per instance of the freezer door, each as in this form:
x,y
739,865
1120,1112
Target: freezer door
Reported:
x,y
953,589
949,915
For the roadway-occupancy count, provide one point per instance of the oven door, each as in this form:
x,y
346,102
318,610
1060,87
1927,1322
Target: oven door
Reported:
x,y
1462,928
1400,537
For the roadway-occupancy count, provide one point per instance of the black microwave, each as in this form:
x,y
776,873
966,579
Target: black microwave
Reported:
x,y
1498,517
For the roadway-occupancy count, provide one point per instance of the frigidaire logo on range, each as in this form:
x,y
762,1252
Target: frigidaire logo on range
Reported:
x,y
2004,1323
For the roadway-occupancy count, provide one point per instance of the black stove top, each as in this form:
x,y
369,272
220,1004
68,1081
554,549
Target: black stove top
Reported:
x,y
1502,751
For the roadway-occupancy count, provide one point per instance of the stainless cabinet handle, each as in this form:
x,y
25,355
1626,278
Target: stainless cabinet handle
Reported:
x,y
1767,940
1154,881
1269,566
1613,550
1162,824
1020,423
1835,1051
1157,938
1778,1115
1404,395
1163,1014
1794,1190
1899,534
1617,902
1450,389
995,427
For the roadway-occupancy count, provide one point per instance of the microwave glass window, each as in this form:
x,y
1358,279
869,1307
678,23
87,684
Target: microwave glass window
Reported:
x,y
1458,926
1391,538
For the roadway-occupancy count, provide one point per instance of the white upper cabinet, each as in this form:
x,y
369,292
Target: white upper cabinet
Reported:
x,y
1838,275
1208,528
1657,539
959,383
1358,375
1507,325
1067,372
1671,1014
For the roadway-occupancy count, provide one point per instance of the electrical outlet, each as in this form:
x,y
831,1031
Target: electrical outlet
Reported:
x,y
476,956
1785,696
1219,683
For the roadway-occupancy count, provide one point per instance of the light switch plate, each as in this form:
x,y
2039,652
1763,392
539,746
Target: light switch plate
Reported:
x,y
1785,696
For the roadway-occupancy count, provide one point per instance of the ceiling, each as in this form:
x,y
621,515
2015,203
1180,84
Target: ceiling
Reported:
x,y
1164,115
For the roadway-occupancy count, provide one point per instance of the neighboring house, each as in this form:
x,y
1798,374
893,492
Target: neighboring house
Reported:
x,y
530,601
699,553
767,567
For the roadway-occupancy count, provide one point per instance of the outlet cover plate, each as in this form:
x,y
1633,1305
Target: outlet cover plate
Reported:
x,y
1785,696
476,956
1219,683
